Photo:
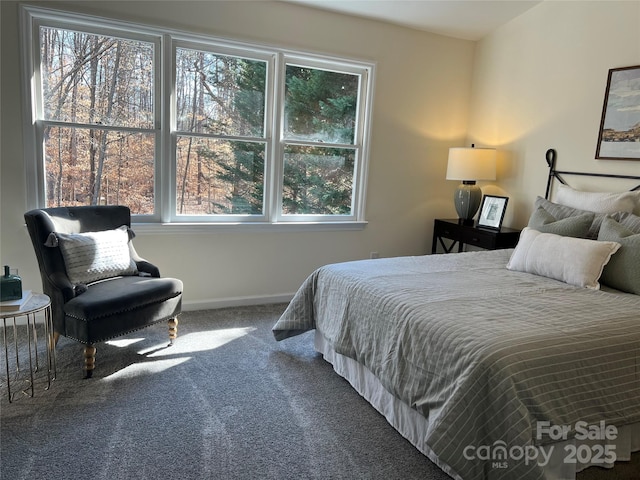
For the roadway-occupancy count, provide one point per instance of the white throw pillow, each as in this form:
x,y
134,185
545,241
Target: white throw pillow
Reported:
x,y
576,261
93,256
599,202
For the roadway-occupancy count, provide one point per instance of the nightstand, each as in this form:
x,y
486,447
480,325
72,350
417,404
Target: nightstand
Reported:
x,y
469,233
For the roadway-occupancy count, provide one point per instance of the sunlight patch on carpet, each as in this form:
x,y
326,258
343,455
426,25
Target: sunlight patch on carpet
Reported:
x,y
124,342
202,341
146,368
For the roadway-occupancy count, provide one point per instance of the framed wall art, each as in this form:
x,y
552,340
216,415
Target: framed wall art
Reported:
x,y
492,211
619,137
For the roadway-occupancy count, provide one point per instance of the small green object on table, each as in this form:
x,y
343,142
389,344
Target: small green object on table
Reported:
x,y
10,286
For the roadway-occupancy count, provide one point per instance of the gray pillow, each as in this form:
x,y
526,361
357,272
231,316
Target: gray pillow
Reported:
x,y
629,220
562,211
623,270
574,226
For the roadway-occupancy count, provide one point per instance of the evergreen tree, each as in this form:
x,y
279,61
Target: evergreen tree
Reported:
x,y
320,107
244,174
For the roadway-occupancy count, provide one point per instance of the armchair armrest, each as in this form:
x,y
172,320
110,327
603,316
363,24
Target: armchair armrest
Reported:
x,y
142,265
61,282
146,267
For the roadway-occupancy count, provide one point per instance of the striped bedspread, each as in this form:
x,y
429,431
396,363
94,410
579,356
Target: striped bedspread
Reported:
x,y
482,352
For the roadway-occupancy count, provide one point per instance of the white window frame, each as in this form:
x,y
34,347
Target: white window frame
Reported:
x,y
165,218
360,135
222,49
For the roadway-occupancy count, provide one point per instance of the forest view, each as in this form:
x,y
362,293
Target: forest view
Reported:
x,y
102,138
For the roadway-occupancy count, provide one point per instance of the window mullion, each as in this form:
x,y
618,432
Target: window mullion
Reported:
x,y
270,132
277,160
166,157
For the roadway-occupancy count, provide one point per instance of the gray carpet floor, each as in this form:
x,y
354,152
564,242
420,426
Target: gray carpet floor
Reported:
x,y
226,401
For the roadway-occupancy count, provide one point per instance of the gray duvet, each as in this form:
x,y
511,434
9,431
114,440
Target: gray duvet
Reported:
x,y
482,352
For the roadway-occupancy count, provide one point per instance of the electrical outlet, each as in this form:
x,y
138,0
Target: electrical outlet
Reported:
x,y
375,255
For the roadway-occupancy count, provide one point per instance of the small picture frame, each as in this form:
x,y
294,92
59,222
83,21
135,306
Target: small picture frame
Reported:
x,y
492,211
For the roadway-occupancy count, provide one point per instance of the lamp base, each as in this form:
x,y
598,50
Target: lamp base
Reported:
x,y
466,199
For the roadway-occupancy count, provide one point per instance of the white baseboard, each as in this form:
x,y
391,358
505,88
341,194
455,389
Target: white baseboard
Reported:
x,y
235,302
198,305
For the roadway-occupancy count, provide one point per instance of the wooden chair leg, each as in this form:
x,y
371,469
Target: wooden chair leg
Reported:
x,y
89,360
173,329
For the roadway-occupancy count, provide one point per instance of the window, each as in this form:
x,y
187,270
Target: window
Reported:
x,y
97,119
319,141
221,142
190,129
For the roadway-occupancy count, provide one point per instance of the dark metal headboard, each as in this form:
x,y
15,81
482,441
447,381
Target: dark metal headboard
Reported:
x,y
553,173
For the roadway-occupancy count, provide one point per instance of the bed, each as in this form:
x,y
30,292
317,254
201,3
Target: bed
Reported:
x,y
520,363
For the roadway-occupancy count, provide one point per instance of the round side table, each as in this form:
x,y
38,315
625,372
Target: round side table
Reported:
x,y
38,302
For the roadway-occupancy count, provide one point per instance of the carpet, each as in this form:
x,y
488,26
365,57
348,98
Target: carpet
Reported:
x,y
226,401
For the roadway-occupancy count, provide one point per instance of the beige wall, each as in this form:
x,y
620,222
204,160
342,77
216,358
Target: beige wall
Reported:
x,y
422,96
539,82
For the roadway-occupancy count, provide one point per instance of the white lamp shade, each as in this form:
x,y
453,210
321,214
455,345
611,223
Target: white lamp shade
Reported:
x,y
471,164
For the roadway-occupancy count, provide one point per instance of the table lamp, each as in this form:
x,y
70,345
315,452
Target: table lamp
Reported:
x,y
469,165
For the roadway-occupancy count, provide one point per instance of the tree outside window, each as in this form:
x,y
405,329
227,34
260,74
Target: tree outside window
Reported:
x,y
238,134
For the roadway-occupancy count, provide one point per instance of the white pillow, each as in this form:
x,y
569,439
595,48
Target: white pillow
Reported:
x,y
599,202
93,256
576,261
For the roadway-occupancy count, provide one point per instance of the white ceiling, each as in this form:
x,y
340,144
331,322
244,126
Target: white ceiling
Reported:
x,y
466,19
